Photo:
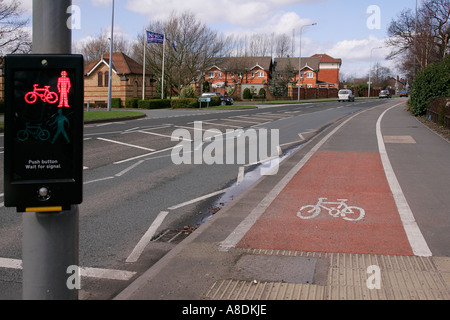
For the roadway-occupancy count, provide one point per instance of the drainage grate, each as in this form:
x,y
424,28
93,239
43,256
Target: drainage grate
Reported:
x,y
174,236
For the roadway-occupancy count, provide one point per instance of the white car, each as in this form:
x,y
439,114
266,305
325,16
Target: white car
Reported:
x,y
346,95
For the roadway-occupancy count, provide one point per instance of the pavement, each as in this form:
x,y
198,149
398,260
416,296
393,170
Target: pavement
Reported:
x,y
339,221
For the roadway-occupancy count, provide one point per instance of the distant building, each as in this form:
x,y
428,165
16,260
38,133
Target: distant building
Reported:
x,y
396,84
251,72
329,69
318,71
127,79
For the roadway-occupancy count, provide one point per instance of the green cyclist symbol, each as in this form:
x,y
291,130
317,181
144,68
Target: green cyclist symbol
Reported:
x,y
35,131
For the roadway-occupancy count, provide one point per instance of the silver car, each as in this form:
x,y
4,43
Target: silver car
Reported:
x,y
346,95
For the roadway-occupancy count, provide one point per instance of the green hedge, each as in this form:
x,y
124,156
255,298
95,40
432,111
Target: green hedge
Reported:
x,y
131,103
185,103
430,83
116,103
154,104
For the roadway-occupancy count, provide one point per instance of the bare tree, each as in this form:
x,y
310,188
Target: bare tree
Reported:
x,y
422,39
283,46
97,47
196,45
14,37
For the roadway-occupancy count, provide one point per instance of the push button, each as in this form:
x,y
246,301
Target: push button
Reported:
x,y
43,193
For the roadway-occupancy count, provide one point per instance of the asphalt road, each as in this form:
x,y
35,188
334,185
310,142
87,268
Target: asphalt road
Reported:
x,y
138,204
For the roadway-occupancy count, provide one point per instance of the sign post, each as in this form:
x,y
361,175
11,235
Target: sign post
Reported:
x,y
207,100
43,152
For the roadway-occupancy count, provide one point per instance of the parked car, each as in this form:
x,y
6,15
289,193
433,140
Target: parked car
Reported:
x,y
223,100
346,95
403,93
385,94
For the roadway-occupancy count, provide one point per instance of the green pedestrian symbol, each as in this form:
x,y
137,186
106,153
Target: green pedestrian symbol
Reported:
x,y
60,120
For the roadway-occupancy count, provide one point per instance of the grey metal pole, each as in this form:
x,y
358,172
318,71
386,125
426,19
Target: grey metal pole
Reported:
x,y
111,48
50,240
50,247
300,58
50,31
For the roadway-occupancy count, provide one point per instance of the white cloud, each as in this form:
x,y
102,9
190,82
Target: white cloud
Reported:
x,y
242,13
356,54
102,3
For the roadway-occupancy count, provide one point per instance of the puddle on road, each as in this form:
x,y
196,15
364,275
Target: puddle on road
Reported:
x,y
252,175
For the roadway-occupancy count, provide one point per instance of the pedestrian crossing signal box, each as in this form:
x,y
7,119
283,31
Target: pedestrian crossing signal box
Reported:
x,y
43,132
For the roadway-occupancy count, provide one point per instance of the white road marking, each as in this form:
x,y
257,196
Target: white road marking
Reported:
x,y
222,125
139,248
126,144
415,237
162,135
121,173
110,274
238,120
240,176
198,199
97,180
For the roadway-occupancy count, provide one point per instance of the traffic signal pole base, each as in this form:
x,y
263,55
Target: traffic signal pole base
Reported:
x,y
49,248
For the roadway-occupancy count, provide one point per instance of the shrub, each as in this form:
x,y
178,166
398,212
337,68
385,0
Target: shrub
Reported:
x,y
205,86
185,103
188,92
154,104
431,82
262,93
215,101
116,103
131,103
247,93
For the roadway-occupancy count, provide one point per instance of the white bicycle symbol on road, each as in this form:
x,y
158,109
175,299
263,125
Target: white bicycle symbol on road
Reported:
x,y
336,209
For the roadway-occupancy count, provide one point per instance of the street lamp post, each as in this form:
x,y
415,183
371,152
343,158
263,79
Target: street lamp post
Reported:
x,y
370,68
300,59
111,59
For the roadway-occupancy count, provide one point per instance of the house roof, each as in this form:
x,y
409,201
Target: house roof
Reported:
x,y
122,64
324,58
311,63
241,63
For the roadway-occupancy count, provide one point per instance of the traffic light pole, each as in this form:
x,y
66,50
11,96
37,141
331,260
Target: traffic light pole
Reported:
x,y
50,240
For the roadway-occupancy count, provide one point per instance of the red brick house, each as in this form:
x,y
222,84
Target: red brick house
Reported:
x,y
309,70
250,72
329,68
127,79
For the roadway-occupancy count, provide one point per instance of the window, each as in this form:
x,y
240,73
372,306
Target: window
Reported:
x,y
211,75
219,75
100,79
260,74
309,75
106,79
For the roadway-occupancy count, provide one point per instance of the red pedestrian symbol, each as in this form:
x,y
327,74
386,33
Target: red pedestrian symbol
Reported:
x,y
63,89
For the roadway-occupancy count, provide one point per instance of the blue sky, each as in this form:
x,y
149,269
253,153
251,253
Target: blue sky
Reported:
x,y
341,29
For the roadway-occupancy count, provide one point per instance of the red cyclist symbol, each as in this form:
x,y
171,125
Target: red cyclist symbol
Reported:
x,y
46,95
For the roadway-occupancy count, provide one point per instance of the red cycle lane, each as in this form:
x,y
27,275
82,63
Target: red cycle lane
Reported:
x,y
330,186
